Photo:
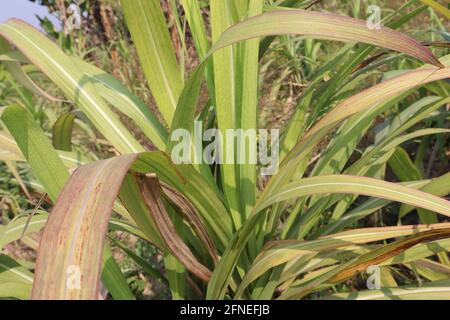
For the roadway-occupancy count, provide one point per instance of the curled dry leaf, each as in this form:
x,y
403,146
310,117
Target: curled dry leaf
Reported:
x,y
151,192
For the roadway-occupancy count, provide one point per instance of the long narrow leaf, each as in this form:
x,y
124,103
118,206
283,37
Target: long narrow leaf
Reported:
x,y
69,259
60,69
148,29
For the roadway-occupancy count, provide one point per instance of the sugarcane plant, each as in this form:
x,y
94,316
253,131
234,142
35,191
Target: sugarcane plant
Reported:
x,y
226,231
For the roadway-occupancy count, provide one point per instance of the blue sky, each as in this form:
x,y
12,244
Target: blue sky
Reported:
x,y
25,10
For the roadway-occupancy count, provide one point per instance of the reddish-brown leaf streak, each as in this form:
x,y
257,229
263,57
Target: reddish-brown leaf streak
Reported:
x,y
75,231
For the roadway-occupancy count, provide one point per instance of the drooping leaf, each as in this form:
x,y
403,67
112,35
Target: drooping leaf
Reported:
x,y
61,69
378,255
357,185
118,95
321,184
69,259
279,252
151,192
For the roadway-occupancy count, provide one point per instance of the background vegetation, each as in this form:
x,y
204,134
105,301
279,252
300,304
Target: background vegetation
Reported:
x,y
400,136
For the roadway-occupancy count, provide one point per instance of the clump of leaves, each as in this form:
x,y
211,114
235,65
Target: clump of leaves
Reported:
x,y
220,234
